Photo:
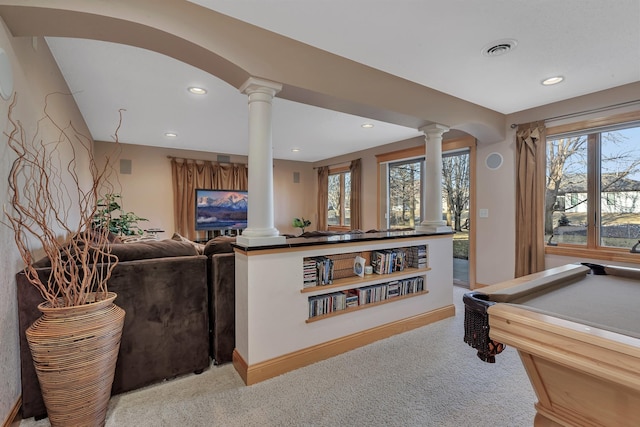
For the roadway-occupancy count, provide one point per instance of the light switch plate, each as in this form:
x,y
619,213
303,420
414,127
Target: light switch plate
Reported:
x,y
484,213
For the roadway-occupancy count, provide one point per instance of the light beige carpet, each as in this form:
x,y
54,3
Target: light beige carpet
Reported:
x,y
425,377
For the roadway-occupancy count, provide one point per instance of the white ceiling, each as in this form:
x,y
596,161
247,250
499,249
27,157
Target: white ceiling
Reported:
x,y
594,44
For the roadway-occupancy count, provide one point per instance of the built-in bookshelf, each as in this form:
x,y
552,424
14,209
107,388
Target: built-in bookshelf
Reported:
x,y
340,285
274,333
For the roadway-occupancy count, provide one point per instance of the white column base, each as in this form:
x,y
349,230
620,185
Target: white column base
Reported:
x,y
435,227
260,240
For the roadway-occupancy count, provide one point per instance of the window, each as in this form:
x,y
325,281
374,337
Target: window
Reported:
x,y
339,195
402,181
404,193
593,187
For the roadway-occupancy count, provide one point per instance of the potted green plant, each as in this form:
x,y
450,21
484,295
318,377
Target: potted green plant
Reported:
x,y
301,223
111,216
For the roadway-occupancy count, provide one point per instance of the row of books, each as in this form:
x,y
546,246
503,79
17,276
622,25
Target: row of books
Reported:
x,y
317,271
383,291
388,260
328,303
418,256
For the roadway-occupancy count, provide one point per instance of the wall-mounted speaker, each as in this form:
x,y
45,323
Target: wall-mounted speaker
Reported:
x,y
296,177
125,166
494,161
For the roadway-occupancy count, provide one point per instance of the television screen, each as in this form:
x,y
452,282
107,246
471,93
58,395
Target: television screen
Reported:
x,y
221,209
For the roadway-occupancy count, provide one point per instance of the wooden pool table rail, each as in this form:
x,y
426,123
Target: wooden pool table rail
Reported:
x,y
582,376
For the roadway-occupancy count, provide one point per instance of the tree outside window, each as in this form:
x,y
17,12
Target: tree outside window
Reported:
x,y
455,188
405,190
404,193
339,194
593,188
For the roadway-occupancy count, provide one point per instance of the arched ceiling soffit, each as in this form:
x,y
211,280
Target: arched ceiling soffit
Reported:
x,y
233,51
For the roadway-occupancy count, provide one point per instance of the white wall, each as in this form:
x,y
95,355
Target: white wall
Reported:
x,y
35,75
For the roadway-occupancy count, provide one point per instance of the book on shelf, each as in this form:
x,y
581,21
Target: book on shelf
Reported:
x,y
336,301
325,304
418,256
317,271
372,293
351,298
393,289
309,273
388,261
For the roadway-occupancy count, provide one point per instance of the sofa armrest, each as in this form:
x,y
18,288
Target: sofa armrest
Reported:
x,y
222,306
166,325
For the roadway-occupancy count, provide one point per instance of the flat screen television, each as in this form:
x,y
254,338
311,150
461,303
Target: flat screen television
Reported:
x,y
221,209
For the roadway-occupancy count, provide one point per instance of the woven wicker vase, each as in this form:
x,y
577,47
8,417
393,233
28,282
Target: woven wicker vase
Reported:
x,y
74,351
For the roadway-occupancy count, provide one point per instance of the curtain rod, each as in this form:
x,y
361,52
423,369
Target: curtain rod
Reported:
x,y
346,163
582,113
203,160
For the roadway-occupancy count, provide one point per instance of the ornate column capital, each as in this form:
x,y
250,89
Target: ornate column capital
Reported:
x,y
257,85
434,130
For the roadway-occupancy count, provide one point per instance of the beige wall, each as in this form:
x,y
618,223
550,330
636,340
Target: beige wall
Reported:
x,y
370,177
35,76
148,190
496,189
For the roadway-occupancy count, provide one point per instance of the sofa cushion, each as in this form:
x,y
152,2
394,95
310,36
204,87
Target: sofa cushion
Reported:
x,y
219,245
179,238
46,262
152,249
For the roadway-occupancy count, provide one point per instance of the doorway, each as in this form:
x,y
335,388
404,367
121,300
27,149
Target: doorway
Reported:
x,y
458,160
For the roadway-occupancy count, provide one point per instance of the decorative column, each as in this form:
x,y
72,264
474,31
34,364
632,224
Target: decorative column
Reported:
x,y
260,229
431,205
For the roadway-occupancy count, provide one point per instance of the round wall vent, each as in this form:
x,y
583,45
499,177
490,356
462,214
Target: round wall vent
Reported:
x,y
499,47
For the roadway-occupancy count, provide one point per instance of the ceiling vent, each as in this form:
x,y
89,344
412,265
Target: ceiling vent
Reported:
x,y
499,47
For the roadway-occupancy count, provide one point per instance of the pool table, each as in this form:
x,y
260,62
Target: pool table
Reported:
x,y
577,331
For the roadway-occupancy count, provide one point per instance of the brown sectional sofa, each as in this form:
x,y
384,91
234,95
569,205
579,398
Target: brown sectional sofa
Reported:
x,y
165,289
222,289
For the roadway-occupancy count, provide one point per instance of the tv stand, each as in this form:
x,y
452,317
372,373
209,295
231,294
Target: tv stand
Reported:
x,y
210,234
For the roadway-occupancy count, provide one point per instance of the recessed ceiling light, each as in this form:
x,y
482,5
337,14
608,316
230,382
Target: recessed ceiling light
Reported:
x,y
295,150
197,90
367,125
552,80
170,134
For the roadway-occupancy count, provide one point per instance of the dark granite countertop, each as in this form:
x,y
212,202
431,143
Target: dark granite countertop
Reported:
x,y
339,238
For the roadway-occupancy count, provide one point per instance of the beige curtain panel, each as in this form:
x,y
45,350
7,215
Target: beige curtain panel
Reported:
x,y
323,197
530,188
356,194
188,175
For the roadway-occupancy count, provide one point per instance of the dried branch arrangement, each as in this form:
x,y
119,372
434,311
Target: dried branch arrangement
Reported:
x,y
54,186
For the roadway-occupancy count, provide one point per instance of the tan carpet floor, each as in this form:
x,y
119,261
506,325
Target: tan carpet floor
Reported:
x,y
424,377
